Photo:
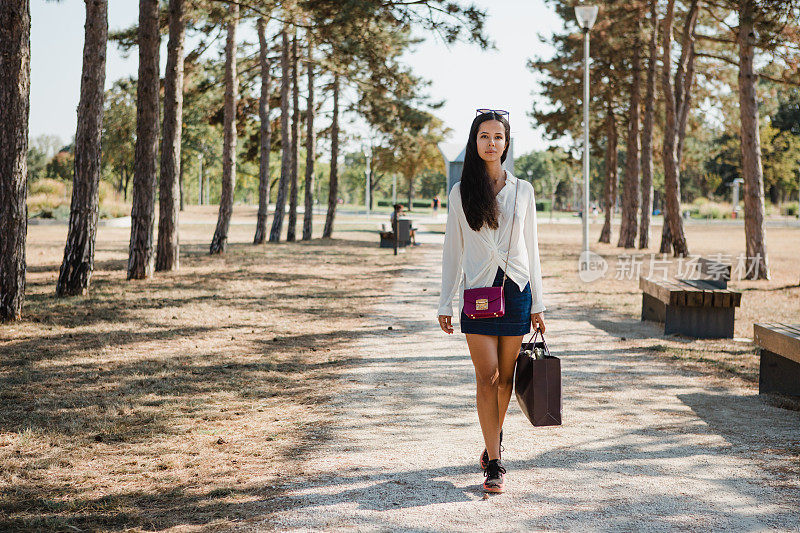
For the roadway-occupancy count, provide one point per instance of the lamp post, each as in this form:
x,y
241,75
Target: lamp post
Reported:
x,y
586,16
368,183
200,177
735,200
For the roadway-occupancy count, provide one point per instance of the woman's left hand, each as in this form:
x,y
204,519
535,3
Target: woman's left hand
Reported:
x,y
537,321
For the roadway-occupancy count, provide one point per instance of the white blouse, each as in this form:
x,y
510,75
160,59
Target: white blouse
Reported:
x,y
478,254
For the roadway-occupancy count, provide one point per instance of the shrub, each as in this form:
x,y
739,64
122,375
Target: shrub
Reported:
x,y
48,187
710,210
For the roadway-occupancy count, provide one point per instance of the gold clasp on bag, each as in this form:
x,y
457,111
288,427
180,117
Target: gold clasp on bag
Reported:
x,y
482,304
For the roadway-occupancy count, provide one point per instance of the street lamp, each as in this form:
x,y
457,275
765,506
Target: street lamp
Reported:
x,y
586,16
200,177
368,183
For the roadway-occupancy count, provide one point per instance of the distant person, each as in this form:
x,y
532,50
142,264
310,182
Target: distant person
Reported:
x,y
396,215
436,204
492,212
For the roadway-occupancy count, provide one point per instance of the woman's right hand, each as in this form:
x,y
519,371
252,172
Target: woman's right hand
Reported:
x,y
445,323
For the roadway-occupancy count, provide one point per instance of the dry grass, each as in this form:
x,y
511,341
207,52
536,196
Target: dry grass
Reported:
x,y
178,401
615,301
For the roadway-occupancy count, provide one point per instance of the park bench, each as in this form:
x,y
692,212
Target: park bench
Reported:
x,y
778,346
701,307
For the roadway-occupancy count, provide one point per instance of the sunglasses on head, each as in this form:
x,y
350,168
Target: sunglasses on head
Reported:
x,y
501,112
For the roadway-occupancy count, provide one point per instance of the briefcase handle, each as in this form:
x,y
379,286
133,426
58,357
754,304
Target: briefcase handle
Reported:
x,y
536,333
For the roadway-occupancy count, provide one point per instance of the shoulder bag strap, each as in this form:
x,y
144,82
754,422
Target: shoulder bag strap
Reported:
x,y
505,270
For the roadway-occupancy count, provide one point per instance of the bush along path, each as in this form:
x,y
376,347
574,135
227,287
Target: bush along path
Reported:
x,y
645,443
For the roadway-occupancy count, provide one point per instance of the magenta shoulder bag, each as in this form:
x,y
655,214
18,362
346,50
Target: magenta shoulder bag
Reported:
x,y
489,302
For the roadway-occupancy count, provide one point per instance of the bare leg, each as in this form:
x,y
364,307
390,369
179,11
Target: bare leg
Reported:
x,y
507,351
483,350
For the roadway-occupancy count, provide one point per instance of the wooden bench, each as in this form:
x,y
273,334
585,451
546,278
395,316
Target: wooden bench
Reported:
x,y
701,307
778,346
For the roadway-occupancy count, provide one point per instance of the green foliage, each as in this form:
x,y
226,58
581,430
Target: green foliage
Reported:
x,y
61,166
118,138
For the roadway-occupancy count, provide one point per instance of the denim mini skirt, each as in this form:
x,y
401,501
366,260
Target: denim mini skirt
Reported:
x,y
517,318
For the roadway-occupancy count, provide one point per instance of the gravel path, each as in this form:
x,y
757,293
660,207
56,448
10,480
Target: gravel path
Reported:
x,y
645,445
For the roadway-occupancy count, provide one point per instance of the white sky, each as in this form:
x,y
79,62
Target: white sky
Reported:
x,y
462,74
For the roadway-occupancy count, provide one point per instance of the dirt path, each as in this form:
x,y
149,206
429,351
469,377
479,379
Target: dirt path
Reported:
x,y
645,443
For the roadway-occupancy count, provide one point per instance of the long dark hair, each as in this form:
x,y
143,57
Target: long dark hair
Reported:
x,y
477,196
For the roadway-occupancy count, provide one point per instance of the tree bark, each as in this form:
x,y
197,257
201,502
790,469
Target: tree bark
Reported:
x,y
140,255
292,226
266,135
673,97
308,215
127,183
286,148
168,246
75,274
15,78
609,196
647,133
630,191
752,171
666,236
684,77
220,241
333,191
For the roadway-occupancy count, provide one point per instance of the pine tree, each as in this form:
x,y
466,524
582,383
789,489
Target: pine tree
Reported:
x,y
610,187
15,79
677,94
140,254
647,130
220,241
265,134
286,147
310,147
295,153
333,190
75,274
630,194
168,248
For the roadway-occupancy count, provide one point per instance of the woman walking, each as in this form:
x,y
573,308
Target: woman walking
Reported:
x,y
491,240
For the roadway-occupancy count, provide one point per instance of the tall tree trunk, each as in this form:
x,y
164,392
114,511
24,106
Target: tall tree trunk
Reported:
x,y
292,226
333,188
674,101
220,241
666,236
286,147
15,84
75,274
752,171
265,134
128,174
308,215
609,196
370,179
684,77
180,183
630,191
168,246
647,132
140,254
